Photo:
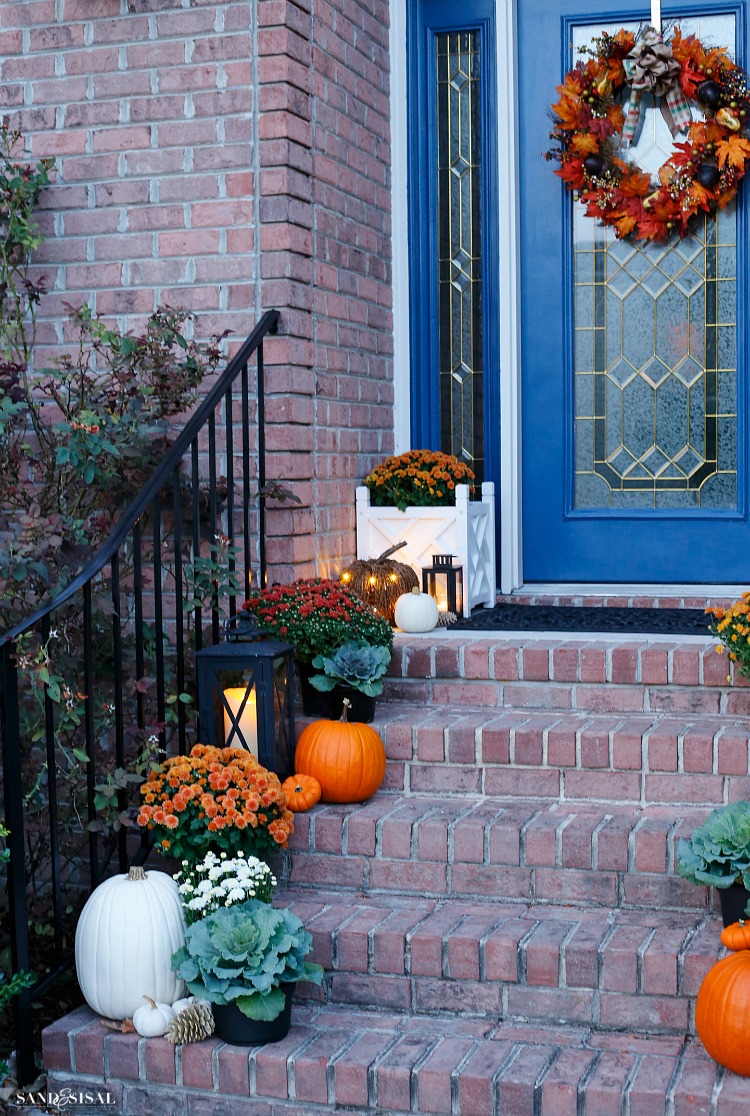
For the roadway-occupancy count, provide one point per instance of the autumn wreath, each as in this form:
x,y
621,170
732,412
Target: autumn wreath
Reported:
x,y
701,174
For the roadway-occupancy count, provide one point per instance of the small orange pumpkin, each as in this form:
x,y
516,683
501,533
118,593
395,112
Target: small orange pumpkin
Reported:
x,y
722,1011
348,760
301,792
736,936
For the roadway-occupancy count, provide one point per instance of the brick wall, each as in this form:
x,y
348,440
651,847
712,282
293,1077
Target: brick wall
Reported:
x,y
228,158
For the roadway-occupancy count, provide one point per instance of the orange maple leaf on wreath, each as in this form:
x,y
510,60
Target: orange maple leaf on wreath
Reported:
x,y
584,144
733,150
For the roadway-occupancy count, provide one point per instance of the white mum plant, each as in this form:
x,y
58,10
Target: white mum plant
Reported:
x,y
222,881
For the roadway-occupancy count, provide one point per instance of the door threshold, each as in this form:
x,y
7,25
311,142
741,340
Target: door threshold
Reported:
x,y
629,589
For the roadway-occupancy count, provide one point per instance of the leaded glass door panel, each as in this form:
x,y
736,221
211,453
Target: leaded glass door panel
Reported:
x,y
453,231
634,435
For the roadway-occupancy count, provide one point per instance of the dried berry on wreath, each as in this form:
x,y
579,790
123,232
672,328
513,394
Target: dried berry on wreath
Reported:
x,y
709,158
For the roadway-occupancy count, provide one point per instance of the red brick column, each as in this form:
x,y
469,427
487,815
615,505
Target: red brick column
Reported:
x,y
285,214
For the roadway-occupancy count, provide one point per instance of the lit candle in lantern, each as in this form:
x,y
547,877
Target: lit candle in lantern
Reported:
x,y
246,732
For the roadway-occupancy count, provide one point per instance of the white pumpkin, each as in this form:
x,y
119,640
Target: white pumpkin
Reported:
x,y
152,1018
180,1005
126,935
416,612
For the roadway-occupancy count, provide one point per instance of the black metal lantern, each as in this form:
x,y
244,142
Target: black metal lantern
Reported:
x,y
445,583
245,695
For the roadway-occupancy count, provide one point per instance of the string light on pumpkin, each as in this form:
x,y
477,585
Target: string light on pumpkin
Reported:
x,y
381,581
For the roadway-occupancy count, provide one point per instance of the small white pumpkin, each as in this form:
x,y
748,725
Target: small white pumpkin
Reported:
x,y
180,1005
152,1018
126,935
416,611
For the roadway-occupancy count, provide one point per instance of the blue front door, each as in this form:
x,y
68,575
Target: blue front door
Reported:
x,y
634,378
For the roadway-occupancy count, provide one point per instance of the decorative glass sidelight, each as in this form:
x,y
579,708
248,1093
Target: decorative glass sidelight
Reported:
x,y
459,235
655,349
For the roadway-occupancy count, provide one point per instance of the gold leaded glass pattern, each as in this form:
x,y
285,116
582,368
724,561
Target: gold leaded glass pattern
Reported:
x,y
461,370
655,356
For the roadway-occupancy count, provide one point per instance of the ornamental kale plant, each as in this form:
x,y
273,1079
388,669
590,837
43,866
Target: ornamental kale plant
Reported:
x,y
243,954
318,616
356,665
718,851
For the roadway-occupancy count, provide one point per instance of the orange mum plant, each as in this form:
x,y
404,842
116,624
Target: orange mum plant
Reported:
x,y
218,799
732,626
418,478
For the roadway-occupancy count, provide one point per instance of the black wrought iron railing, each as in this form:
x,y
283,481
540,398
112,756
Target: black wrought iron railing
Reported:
x,y
99,680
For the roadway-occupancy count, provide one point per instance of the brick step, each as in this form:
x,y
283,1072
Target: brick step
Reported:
x,y
572,755
336,1059
595,675
514,961
481,849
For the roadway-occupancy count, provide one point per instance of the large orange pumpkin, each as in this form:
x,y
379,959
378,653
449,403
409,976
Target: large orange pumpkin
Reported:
x,y
348,760
722,1012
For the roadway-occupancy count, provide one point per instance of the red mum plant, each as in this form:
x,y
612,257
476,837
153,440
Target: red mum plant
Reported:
x,y
318,616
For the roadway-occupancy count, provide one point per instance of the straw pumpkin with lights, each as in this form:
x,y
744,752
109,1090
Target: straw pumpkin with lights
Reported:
x,y
381,581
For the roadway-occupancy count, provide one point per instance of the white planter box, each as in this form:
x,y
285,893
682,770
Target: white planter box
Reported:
x,y
466,530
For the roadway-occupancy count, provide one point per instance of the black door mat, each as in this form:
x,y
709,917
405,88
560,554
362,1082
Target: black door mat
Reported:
x,y
571,618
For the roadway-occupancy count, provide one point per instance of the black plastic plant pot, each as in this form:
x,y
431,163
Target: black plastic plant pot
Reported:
x,y
235,1028
329,703
733,901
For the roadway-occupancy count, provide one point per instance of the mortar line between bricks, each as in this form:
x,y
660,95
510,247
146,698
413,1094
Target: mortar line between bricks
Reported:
x,y
541,1077
414,834
178,1065
371,942
483,947
142,1076
631,842
595,840
670,865
215,1065
372,1071
522,836
629,1083
600,954
291,1065
682,952
583,1084
455,1075
559,830
414,1073
330,1068
716,1091
72,1045
640,953
410,933
674,1081
451,834
521,962
500,1072
562,963
335,937
487,834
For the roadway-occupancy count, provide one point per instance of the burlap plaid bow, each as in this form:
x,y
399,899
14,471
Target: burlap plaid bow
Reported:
x,y
652,68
